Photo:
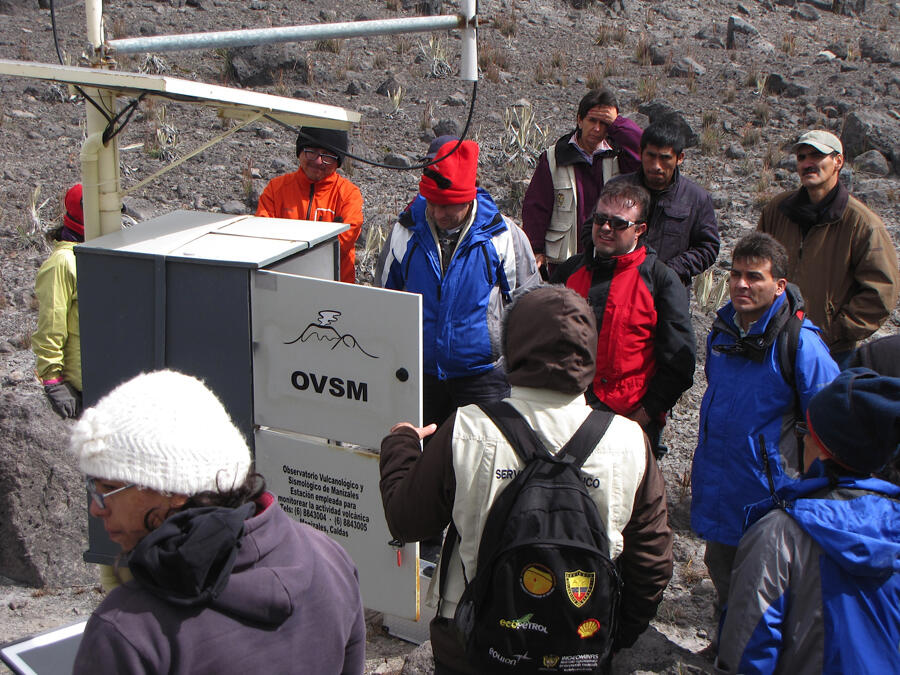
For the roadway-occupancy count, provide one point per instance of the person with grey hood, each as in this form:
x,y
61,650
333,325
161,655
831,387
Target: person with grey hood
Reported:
x,y
468,462
224,581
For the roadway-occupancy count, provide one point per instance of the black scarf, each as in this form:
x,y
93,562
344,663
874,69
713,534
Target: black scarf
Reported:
x,y
187,560
806,214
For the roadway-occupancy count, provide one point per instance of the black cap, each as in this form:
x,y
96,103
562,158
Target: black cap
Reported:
x,y
334,140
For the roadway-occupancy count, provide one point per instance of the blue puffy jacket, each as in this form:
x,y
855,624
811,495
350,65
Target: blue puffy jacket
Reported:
x,y
460,309
816,585
747,396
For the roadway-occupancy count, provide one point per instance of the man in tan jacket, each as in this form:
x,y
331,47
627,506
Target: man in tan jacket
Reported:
x,y
840,254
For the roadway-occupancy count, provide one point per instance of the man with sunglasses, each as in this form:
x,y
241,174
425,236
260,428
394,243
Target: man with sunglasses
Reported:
x,y
317,192
645,348
754,399
839,252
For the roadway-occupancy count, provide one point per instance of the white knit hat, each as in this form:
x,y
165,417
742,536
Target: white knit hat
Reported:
x,y
162,430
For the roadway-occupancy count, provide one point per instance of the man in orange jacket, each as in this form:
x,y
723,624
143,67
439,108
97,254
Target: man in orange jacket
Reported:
x,y
316,192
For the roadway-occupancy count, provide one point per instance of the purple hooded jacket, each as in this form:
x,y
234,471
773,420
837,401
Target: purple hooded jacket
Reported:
x,y
291,604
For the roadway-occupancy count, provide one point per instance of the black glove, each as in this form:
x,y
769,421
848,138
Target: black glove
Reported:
x,y
64,398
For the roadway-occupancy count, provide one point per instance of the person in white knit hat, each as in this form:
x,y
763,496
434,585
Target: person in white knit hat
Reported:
x,y
221,573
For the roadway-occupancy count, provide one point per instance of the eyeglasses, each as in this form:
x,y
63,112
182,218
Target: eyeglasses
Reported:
x,y
327,158
617,224
100,497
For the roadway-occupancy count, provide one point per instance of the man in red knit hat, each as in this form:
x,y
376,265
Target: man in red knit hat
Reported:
x,y
454,247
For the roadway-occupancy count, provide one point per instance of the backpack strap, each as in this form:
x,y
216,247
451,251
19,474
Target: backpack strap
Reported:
x,y
788,344
526,443
516,430
451,539
585,439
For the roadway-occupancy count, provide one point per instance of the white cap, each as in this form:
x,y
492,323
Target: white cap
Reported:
x,y
823,141
162,430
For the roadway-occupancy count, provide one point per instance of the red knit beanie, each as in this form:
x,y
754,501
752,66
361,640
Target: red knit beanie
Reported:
x,y
74,216
452,180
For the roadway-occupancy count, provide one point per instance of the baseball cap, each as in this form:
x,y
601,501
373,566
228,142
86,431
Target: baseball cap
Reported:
x,y
823,141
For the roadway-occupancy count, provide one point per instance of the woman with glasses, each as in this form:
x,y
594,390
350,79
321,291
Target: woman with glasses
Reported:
x,y
221,573
317,192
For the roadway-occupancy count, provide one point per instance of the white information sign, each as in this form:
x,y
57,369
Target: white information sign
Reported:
x,y
335,490
335,360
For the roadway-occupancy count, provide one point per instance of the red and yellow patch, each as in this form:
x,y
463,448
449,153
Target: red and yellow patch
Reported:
x,y
588,628
579,586
538,580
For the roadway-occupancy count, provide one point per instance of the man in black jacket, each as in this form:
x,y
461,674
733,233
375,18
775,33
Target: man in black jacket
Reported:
x,y
681,221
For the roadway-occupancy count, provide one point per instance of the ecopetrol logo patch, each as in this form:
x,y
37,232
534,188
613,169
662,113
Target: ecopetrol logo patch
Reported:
x,y
579,586
537,580
524,623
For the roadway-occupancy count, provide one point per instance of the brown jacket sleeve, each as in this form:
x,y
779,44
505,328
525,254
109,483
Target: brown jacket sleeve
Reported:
x,y
646,560
417,488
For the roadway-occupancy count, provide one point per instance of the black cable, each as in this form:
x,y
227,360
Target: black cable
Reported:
x,y
109,133
387,166
62,63
55,36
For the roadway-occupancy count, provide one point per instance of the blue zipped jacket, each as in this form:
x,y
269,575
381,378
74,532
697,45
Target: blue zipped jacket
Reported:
x,y
816,584
747,397
461,309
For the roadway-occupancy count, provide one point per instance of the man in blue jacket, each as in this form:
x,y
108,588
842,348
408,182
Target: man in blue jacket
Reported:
x,y
816,585
757,391
454,248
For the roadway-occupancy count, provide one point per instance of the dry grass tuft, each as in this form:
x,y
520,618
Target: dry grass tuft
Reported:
x,y
331,46
647,88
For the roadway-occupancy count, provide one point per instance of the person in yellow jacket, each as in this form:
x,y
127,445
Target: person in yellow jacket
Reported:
x,y
317,192
57,341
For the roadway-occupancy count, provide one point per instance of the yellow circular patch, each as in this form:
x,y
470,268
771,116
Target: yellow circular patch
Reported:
x,y
537,580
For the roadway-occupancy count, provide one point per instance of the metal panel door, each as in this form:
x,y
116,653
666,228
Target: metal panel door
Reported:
x,y
336,491
335,360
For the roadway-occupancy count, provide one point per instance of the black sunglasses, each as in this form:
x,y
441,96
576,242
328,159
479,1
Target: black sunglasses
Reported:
x,y
617,224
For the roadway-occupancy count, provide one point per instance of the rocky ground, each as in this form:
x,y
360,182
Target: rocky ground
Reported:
x,y
747,77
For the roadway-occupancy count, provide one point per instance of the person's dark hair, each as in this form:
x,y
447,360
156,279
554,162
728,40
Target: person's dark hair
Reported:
x,y
626,194
665,133
249,491
761,246
594,98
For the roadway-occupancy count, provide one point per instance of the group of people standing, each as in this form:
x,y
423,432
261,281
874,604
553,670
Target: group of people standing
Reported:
x,y
610,216
801,537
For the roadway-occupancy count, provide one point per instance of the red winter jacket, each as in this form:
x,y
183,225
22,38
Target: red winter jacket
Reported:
x,y
645,341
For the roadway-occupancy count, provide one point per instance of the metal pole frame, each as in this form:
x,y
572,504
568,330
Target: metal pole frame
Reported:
x,y
100,163
255,36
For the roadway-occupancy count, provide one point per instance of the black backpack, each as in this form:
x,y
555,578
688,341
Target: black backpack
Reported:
x,y
546,594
